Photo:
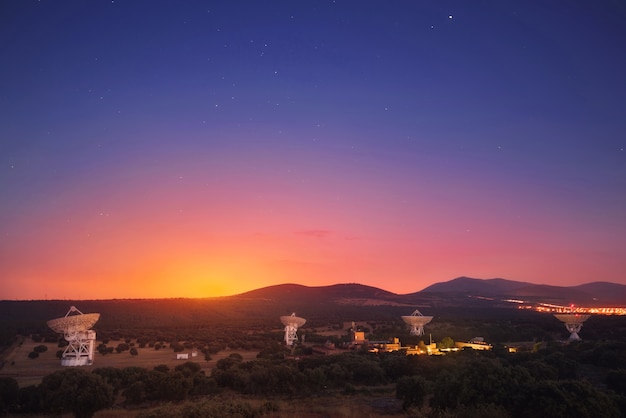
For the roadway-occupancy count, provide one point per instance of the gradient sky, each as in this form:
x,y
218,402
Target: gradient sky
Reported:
x,y
203,148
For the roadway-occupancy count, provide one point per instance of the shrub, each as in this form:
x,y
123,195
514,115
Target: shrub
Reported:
x,y
41,348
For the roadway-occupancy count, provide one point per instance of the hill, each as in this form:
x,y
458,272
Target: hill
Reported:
x,y
462,291
604,292
340,293
590,294
470,286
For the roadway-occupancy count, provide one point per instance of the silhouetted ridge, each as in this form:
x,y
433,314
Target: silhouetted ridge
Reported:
x,y
337,291
453,292
590,294
476,286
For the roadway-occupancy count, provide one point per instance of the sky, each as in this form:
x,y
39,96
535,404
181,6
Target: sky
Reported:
x,y
157,149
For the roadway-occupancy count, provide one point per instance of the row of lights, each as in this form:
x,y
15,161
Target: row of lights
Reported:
x,y
577,310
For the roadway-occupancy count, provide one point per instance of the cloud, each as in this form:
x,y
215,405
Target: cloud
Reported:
x,y
314,233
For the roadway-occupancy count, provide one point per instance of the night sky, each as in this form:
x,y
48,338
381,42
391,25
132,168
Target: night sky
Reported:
x,y
198,149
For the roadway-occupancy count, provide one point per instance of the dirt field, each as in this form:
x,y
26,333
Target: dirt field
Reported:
x,y
30,371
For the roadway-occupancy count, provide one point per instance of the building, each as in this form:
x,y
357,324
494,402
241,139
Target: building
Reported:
x,y
477,343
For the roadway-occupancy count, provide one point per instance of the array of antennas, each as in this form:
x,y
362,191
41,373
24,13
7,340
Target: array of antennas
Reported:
x,y
291,323
80,350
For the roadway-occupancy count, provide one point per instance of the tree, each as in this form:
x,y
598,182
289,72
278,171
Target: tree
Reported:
x,y
566,367
188,369
616,380
477,380
566,398
227,362
76,391
203,385
162,368
122,347
447,342
177,347
8,393
133,351
29,400
412,390
172,386
397,364
40,348
135,393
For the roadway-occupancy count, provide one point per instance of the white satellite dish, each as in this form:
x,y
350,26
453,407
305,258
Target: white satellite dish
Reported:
x,y
417,321
76,331
573,323
291,323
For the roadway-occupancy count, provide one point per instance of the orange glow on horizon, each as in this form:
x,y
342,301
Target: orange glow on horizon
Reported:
x,y
208,161
197,242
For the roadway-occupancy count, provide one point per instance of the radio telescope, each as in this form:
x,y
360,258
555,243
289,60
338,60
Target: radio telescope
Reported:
x,y
81,339
291,323
417,321
573,323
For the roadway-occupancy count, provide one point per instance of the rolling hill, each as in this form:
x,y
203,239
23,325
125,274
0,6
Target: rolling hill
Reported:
x,y
457,292
590,294
333,292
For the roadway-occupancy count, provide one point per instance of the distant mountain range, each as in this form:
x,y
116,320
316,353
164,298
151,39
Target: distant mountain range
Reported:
x,y
590,294
459,291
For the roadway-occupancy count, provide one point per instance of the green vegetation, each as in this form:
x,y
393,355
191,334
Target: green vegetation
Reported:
x,y
560,381
582,379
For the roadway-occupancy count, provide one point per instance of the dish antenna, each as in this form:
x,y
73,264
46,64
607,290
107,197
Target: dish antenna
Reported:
x,y
417,321
81,339
573,323
291,323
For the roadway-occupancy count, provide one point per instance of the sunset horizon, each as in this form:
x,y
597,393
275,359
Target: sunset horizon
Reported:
x,y
78,297
208,149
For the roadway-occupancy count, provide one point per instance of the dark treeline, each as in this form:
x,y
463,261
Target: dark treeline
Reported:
x,y
234,321
583,379
230,313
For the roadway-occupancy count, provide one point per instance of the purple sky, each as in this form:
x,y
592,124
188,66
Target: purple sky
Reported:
x,y
164,148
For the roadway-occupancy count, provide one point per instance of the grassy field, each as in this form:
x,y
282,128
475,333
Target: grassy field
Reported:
x,y
30,371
